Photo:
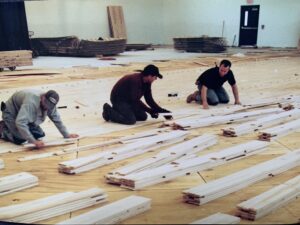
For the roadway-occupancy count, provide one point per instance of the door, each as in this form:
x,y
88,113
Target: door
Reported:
x,y
249,25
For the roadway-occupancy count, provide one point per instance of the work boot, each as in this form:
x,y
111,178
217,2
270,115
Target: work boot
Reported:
x,y
106,112
192,97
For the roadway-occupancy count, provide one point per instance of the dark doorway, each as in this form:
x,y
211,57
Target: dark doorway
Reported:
x,y
13,26
249,25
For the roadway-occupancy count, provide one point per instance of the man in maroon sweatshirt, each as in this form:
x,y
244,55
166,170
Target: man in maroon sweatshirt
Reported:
x,y
127,107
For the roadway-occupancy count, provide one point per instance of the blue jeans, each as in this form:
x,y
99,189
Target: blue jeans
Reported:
x,y
10,131
214,96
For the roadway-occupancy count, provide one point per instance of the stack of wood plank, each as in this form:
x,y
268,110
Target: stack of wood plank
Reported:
x,y
189,164
55,205
260,123
72,46
1,164
199,121
170,154
137,47
202,194
218,218
278,131
116,22
129,150
111,46
270,200
113,213
200,44
122,140
61,46
12,59
17,182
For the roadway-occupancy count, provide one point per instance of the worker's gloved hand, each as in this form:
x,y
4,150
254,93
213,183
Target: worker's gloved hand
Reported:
x,y
154,115
164,111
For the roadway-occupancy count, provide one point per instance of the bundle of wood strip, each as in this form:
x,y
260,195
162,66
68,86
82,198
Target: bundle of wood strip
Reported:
x,y
55,205
112,46
1,164
200,44
122,140
189,147
113,213
63,46
202,194
199,121
17,182
12,59
218,218
189,164
260,123
137,47
116,21
278,131
129,150
72,46
270,200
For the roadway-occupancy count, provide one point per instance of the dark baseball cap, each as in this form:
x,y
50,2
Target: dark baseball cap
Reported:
x,y
51,99
152,70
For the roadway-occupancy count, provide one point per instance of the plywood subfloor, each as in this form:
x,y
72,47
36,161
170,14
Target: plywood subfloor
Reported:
x,y
84,90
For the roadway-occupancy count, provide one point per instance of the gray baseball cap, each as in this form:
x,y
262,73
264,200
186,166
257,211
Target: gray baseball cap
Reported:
x,y
51,99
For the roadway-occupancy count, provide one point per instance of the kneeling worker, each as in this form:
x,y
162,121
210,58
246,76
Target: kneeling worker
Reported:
x,y
210,85
23,113
127,107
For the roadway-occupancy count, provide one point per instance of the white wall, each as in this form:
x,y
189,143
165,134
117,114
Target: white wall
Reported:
x,y
88,19
158,21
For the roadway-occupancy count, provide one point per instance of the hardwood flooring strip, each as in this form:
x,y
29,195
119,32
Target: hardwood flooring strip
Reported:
x,y
270,200
166,156
129,150
113,213
17,182
279,131
218,218
223,186
267,121
196,122
54,205
184,166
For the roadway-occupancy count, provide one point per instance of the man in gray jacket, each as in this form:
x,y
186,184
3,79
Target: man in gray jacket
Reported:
x,y
23,113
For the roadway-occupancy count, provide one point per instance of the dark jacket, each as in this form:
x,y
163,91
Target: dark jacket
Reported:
x,y
131,89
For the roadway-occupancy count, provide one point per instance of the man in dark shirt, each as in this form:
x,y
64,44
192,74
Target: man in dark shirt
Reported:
x,y
127,107
210,85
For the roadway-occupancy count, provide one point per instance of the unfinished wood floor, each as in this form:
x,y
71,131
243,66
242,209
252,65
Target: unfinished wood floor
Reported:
x,y
84,90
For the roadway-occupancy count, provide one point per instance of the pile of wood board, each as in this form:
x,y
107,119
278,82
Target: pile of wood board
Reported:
x,y
17,182
55,205
270,200
113,213
200,44
12,59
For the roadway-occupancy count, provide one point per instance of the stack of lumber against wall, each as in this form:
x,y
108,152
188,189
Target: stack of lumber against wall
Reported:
x,y
116,22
